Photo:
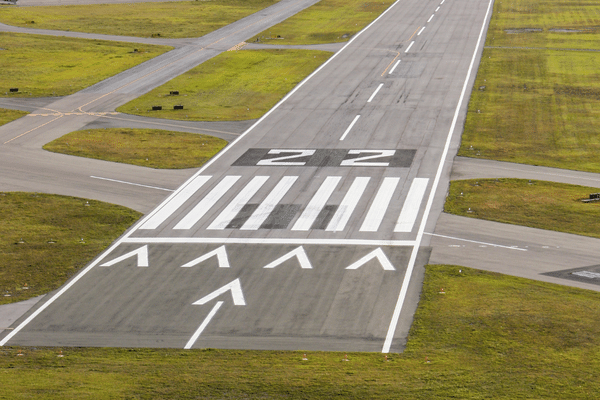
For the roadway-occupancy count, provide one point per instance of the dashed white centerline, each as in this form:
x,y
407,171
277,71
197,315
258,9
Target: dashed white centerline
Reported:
x,y
394,67
430,18
409,46
375,93
350,127
421,31
442,1
131,183
437,9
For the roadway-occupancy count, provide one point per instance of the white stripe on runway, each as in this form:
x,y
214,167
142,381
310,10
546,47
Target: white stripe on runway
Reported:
x,y
394,67
437,9
177,201
266,207
379,205
350,127
411,206
409,46
207,203
316,204
421,31
348,204
375,93
236,205
430,18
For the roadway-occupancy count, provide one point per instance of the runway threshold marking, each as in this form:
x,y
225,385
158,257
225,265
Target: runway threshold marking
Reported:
x,y
131,183
350,127
413,257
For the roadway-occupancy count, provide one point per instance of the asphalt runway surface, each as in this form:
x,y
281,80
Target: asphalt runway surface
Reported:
x,y
307,233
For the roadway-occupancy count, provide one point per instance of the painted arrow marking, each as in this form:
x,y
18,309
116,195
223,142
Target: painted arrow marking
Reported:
x,y
238,300
221,254
298,253
141,253
377,253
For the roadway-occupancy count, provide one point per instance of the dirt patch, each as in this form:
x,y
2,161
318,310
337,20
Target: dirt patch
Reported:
x,y
523,30
563,30
576,91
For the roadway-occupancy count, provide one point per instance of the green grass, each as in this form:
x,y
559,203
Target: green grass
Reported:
x,y
58,66
165,20
489,336
235,85
539,107
328,21
539,204
40,239
152,148
7,115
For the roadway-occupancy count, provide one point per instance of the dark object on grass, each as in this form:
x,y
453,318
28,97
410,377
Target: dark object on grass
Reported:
x,y
180,107
156,108
174,92
13,90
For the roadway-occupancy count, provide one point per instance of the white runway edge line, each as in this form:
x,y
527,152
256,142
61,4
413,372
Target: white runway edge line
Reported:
x,y
394,67
185,185
413,257
375,92
131,183
409,46
350,127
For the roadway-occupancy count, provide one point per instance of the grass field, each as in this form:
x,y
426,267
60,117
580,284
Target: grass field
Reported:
x,y
152,148
166,20
7,115
328,21
539,204
488,336
236,85
40,239
58,66
538,106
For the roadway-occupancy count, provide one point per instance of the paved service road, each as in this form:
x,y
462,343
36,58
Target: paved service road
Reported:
x,y
307,233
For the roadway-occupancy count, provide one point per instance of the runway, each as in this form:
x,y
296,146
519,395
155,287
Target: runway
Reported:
x,y
308,231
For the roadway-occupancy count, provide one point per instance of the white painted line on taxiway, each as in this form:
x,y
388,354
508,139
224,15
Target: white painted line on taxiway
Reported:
x,y
394,67
174,202
236,205
268,205
430,18
204,324
207,202
348,204
421,31
131,183
350,127
299,241
379,205
316,204
476,242
413,257
409,46
375,93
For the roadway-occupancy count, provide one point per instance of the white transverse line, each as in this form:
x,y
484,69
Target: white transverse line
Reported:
x,y
350,127
188,182
204,324
130,183
409,46
264,209
238,203
430,18
207,202
174,202
421,31
413,256
476,242
375,93
316,204
411,206
394,67
380,205
299,241
348,204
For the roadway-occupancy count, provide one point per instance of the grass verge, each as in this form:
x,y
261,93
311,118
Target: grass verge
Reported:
x,y
537,105
165,20
7,115
234,86
58,66
152,148
328,21
40,239
539,204
488,336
